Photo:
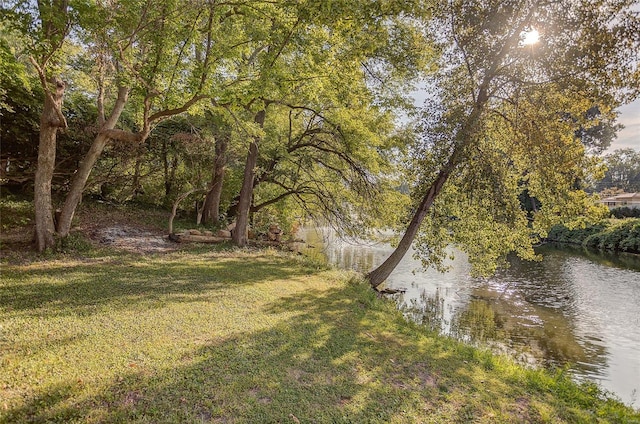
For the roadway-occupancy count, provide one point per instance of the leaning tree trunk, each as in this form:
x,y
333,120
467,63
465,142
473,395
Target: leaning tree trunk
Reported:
x,y
382,272
246,192
77,185
466,136
82,174
50,120
211,208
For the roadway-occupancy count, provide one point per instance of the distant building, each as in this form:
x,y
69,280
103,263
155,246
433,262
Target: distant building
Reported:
x,y
629,200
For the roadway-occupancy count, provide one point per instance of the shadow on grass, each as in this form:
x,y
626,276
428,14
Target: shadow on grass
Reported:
x,y
333,361
325,364
85,288
338,356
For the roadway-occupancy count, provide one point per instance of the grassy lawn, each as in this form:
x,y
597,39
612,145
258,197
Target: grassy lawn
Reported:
x,y
246,337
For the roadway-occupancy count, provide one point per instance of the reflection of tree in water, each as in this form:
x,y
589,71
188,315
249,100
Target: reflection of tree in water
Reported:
x,y
534,334
477,323
324,244
619,260
427,310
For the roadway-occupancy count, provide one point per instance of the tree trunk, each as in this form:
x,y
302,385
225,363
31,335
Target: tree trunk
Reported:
x,y
136,186
211,208
174,209
169,170
382,272
50,120
246,192
77,185
42,188
165,162
82,174
465,137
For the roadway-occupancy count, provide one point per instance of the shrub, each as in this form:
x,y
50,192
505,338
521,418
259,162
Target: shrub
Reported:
x,y
625,212
619,236
561,234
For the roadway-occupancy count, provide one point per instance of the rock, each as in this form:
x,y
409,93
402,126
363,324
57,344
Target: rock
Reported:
x,y
275,228
275,233
181,238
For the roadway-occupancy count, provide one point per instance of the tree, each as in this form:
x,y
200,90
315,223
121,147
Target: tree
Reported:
x,y
155,57
221,132
306,64
164,57
623,170
332,163
45,27
503,121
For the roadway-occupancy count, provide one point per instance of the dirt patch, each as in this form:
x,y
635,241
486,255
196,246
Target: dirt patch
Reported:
x,y
133,239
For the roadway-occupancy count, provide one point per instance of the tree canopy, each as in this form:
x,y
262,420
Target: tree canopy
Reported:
x,y
286,109
504,118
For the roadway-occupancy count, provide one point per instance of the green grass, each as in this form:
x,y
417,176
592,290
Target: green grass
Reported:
x,y
241,337
14,212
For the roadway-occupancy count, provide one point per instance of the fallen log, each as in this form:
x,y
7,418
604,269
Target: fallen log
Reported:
x,y
390,290
191,238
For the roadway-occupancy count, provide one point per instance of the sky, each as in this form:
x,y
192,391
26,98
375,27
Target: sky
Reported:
x,y
629,137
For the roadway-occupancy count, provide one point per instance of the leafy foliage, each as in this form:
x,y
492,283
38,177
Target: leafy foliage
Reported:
x,y
331,78
621,235
623,171
625,212
503,119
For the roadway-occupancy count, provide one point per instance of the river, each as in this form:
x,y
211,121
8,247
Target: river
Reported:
x,y
575,309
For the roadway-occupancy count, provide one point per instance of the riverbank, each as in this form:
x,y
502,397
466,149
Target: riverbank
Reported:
x,y
236,336
616,235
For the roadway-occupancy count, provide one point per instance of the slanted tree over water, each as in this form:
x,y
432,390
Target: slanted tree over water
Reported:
x,y
503,118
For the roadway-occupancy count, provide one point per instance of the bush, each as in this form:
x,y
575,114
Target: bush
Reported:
x,y
624,237
625,212
621,236
561,234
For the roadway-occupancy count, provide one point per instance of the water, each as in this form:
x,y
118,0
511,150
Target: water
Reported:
x,y
573,308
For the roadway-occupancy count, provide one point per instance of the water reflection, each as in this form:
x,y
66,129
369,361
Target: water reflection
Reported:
x,y
574,307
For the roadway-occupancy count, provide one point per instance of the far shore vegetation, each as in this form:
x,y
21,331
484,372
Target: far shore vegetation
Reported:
x,y
618,235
